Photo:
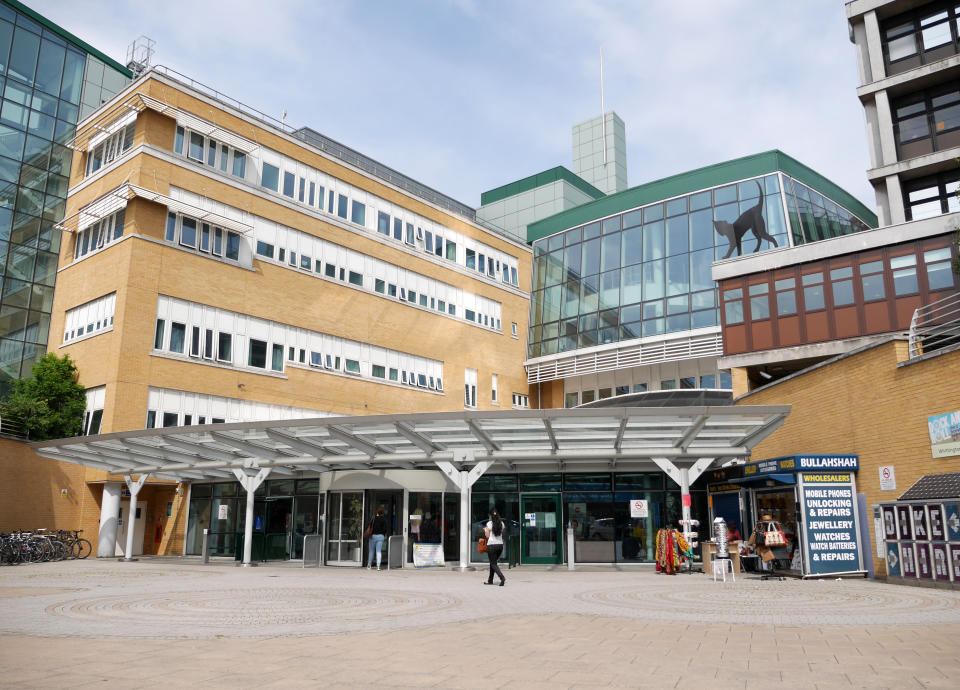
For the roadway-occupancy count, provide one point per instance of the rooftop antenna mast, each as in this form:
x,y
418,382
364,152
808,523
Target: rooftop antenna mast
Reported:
x,y
603,115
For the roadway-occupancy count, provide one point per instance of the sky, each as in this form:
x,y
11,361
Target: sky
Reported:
x,y
468,95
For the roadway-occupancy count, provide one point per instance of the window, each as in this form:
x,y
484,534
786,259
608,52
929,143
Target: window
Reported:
x,y
733,306
921,118
571,399
929,29
305,262
358,213
932,196
470,388
759,301
351,366
196,147
471,259
240,164
233,246
188,232
330,271
271,176
451,250
939,273
812,291
356,278
195,341
871,280
521,401
494,394
204,237
264,249
904,274
383,223
171,419
178,334
211,152
151,419
178,140
225,347
513,329
303,186
786,296
158,335
409,237
208,344
109,149
379,286
394,374
257,356
342,206
378,371
99,235
224,158
842,279
289,180
277,359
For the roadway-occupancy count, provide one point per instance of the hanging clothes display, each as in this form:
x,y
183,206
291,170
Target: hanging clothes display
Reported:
x,y
672,548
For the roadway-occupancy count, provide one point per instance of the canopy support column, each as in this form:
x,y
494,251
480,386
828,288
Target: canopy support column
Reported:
x,y
250,482
134,487
684,476
109,510
463,480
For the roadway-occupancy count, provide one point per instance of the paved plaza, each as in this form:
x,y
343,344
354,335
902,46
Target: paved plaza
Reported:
x,y
178,623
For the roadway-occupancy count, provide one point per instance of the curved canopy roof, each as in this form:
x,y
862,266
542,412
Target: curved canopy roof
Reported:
x,y
517,440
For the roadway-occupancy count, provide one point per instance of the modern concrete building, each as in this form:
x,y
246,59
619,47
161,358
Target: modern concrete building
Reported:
x,y
907,54
600,152
51,79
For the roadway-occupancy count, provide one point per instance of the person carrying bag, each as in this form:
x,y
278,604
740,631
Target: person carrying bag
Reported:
x,y
492,542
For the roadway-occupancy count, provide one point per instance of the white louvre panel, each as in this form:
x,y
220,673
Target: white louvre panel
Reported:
x,y
191,210
91,133
626,356
189,121
111,202
111,129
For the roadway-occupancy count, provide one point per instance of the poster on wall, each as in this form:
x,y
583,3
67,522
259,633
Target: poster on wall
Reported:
x,y
924,567
893,560
908,562
223,511
954,561
944,434
951,514
919,514
888,478
938,531
639,509
830,523
903,522
890,523
941,565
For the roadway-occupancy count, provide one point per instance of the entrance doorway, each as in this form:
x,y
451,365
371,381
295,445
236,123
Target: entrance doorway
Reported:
x,y
540,528
392,503
345,533
140,520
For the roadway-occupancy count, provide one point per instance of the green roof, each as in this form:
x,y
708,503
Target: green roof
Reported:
x,y
695,180
66,35
539,180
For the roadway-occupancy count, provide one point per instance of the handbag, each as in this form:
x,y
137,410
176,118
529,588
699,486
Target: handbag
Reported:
x,y
368,532
774,538
482,544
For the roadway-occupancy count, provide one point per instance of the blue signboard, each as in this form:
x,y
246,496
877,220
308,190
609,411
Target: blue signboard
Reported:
x,y
893,559
830,523
951,514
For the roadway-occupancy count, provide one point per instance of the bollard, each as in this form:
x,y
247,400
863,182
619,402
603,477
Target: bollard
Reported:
x,y
570,552
205,547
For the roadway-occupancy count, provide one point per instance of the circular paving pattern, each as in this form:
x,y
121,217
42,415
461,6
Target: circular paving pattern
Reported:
x,y
776,602
260,607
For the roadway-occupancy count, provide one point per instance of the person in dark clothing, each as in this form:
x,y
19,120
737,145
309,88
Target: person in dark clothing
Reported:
x,y
494,534
379,525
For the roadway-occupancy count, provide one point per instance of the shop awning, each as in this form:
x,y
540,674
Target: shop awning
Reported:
x,y
762,479
625,439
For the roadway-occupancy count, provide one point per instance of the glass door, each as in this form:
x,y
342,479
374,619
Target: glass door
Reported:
x,y
345,533
306,520
540,531
278,536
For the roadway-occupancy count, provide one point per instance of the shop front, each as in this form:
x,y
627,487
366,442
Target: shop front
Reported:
x,y
811,500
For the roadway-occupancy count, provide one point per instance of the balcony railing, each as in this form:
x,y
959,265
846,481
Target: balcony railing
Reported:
x,y
935,326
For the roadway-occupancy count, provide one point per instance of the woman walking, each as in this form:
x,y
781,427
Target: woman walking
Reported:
x,y
379,525
494,533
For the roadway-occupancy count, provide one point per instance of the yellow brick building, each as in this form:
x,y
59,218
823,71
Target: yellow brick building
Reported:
x,y
873,402
219,266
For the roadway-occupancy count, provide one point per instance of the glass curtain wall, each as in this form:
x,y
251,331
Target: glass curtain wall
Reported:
x,y
597,506
646,272
46,84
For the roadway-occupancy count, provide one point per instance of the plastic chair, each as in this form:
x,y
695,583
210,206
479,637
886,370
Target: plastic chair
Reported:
x,y
721,565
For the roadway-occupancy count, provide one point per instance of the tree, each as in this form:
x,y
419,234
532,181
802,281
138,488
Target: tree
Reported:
x,y
49,403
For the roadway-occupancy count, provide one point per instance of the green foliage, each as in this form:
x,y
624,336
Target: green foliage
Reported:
x,y
49,403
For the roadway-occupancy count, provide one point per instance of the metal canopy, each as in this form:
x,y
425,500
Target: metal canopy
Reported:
x,y
569,440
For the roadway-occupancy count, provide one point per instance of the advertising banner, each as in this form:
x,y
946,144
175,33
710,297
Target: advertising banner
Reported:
x,y
944,434
427,555
951,513
954,563
830,523
903,522
924,567
889,523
